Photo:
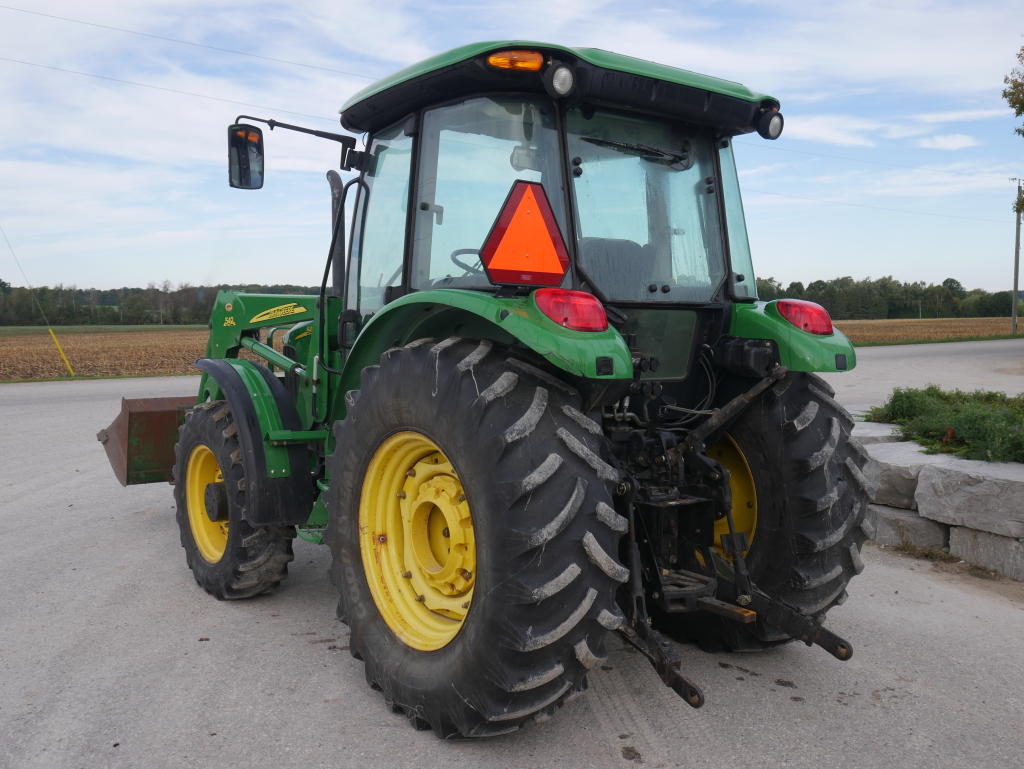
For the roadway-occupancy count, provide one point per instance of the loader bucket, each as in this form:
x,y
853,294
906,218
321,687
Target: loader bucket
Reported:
x,y
140,441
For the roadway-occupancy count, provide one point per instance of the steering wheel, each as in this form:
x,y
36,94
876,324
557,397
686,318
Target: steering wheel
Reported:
x,y
469,268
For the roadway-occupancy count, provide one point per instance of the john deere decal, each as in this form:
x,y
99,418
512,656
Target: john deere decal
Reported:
x,y
281,311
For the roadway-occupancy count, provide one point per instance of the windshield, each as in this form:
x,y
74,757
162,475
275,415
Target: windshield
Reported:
x,y
648,220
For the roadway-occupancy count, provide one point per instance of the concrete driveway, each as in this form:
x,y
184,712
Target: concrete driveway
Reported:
x,y
111,656
994,365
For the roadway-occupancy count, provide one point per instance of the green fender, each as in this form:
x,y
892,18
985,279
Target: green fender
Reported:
x,y
799,350
243,385
453,312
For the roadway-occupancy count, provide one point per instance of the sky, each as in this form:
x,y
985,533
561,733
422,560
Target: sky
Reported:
x,y
895,159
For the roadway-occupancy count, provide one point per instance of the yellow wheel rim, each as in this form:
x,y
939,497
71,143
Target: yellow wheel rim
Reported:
x,y
211,537
744,494
416,541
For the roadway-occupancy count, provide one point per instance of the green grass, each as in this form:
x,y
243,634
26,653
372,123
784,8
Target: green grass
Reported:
x,y
42,330
939,341
974,425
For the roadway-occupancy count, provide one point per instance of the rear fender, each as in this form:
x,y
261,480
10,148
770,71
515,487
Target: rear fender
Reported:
x,y
280,491
441,313
799,350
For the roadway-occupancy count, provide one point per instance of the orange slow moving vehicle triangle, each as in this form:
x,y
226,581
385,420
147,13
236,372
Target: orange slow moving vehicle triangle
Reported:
x,y
525,246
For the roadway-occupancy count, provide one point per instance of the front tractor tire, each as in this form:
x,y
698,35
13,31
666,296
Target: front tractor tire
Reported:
x,y
473,539
800,495
229,558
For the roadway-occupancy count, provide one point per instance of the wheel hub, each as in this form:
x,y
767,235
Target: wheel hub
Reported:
x,y
744,493
439,531
209,528
416,540
216,501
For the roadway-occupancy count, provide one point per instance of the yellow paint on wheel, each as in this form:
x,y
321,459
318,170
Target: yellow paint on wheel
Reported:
x,y
211,537
744,493
416,541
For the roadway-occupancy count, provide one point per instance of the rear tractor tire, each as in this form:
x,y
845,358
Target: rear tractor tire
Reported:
x,y
229,558
473,539
800,495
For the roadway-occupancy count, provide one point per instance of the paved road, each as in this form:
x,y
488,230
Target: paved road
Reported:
x,y
104,662
995,365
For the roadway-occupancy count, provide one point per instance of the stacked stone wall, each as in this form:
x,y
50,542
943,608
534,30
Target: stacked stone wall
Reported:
x,y
973,508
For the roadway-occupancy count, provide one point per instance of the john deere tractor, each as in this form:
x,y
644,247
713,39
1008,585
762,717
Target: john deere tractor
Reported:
x,y
536,401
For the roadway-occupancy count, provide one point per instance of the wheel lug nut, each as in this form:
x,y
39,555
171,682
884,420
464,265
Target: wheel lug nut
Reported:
x,y
407,574
382,538
420,598
445,532
411,472
461,498
400,495
465,605
467,575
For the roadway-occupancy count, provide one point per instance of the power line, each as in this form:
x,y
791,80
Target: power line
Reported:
x,y
17,261
184,42
164,89
876,208
32,293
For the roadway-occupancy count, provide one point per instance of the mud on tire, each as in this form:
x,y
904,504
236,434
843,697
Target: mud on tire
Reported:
x,y
255,559
546,536
812,507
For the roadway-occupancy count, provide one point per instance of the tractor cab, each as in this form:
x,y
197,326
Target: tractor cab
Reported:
x,y
631,179
506,167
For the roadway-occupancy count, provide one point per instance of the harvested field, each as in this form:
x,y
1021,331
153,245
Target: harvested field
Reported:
x,y
907,330
28,353
104,353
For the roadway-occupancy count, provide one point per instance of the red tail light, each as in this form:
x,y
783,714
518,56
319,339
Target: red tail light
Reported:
x,y
577,310
807,316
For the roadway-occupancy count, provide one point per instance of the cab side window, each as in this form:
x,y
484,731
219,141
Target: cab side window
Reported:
x,y
379,245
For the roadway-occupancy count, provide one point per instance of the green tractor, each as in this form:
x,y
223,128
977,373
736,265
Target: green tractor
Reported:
x,y
536,400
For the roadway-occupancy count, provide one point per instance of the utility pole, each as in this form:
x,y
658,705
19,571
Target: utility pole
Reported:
x,y
1018,203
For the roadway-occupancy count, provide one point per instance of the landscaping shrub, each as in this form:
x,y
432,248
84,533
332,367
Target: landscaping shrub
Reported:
x,y
974,425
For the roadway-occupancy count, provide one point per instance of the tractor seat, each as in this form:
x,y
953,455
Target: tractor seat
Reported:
x,y
623,267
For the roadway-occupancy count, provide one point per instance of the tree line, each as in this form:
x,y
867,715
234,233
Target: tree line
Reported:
x,y
849,299
844,298
69,306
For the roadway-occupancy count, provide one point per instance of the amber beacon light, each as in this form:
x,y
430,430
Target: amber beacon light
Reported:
x,y
524,61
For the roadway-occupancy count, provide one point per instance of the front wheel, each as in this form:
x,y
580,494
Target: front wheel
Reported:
x,y
473,540
229,558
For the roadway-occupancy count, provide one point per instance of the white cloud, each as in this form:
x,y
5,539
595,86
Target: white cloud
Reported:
x,y
765,170
98,178
926,181
948,142
961,116
841,130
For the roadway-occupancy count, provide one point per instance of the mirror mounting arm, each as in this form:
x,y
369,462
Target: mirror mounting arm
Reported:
x,y
350,157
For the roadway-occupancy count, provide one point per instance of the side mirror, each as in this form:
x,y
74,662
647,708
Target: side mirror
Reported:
x,y
245,156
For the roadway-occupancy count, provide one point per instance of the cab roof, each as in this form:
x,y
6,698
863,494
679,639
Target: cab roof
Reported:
x,y
602,77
